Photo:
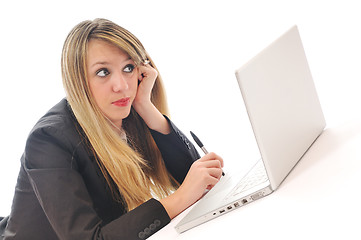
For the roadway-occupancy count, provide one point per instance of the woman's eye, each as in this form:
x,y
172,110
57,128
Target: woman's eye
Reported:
x,y
129,68
102,72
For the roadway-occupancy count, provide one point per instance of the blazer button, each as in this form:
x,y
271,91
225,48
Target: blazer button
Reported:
x,y
157,223
152,226
147,231
187,143
141,235
180,134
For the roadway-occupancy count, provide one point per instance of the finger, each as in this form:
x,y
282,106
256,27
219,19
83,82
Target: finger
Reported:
x,y
215,173
208,169
147,72
141,73
212,180
211,156
211,164
219,158
207,164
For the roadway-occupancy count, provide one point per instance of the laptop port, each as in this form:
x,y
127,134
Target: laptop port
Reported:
x,y
229,207
257,195
236,204
222,211
244,201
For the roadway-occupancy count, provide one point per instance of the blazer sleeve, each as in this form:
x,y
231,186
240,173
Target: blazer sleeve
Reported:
x,y
177,151
63,196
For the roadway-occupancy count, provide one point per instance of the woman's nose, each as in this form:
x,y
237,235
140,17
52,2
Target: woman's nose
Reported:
x,y
119,83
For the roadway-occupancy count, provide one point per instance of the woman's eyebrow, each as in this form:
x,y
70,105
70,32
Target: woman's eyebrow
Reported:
x,y
99,63
105,62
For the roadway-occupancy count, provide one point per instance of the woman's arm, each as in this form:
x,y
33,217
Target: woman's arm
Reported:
x,y
195,176
63,195
177,151
202,175
152,117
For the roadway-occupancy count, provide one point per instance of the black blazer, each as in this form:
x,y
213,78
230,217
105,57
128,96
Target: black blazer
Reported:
x,y
62,194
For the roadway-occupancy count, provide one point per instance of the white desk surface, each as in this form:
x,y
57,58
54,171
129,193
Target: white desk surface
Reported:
x,y
318,200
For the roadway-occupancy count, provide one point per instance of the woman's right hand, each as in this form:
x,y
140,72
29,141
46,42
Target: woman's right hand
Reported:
x,y
203,174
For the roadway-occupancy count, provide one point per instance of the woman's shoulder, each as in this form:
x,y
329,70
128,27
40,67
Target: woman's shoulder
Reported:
x,y
58,122
55,136
55,115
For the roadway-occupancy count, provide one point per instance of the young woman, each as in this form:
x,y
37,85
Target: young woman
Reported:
x,y
106,162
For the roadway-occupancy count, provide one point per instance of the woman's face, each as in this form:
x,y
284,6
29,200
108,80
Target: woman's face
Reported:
x,y
113,79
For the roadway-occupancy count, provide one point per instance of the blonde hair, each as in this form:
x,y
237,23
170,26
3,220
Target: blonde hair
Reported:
x,y
135,171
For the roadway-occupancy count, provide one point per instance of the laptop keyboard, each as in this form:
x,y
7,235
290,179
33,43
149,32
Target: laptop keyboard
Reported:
x,y
255,176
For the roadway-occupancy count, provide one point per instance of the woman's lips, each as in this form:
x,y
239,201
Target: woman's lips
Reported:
x,y
123,102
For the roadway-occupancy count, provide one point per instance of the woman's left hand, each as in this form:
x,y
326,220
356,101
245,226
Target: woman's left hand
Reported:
x,y
147,77
142,103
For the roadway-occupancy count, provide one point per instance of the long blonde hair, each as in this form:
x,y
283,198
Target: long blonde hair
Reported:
x,y
135,171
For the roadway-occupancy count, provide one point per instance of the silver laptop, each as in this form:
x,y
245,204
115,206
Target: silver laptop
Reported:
x,y
286,117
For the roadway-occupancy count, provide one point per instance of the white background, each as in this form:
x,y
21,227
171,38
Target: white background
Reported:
x,y
196,45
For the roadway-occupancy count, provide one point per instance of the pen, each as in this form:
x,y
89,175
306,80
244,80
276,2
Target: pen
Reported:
x,y
200,144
